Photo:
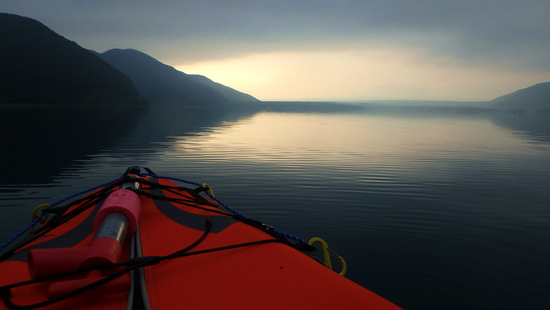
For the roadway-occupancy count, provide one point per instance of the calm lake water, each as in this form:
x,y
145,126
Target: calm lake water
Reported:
x,y
432,210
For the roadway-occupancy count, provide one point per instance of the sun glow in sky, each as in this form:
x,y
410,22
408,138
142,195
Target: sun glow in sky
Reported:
x,y
360,74
323,50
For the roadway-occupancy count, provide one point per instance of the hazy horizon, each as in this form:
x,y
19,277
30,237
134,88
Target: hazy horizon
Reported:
x,y
324,50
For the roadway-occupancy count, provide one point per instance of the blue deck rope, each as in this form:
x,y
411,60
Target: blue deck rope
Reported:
x,y
85,191
54,204
22,231
286,235
199,185
169,178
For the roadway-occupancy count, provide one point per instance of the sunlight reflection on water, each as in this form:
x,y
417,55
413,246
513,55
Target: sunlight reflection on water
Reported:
x,y
422,208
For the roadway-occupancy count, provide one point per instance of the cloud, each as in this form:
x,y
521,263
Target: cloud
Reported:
x,y
433,45
508,32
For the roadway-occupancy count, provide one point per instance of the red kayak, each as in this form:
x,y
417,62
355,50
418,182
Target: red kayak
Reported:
x,y
150,242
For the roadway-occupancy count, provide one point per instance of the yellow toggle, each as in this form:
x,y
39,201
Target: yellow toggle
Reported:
x,y
208,189
35,212
327,253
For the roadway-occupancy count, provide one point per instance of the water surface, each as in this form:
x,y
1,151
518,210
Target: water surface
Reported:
x,y
430,210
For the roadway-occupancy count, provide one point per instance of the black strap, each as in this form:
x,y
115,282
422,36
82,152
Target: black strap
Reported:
x,y
59,218
5,291
132,264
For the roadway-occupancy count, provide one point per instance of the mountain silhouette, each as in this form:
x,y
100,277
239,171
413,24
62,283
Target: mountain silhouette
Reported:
x,y
533,98
38,66
227,92
164,85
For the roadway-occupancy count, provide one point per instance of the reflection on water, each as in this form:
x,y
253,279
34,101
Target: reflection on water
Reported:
x,y
339,139
38,142
533,125
431,211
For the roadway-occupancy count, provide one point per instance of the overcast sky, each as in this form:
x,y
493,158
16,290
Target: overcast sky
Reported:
x,y
323,50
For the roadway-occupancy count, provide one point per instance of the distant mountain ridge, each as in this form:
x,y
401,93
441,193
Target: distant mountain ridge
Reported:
x,y
533,98
227,92
38,66
162,84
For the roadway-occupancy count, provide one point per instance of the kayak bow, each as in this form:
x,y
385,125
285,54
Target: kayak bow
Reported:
x,y
145,242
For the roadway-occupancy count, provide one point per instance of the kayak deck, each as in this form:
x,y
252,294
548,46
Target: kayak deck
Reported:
x,y
221,260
